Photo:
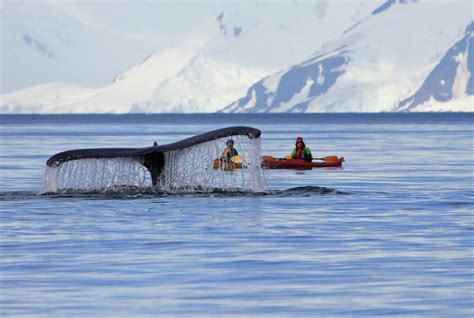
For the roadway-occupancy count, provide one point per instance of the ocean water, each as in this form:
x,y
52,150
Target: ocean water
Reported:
x,y
391,234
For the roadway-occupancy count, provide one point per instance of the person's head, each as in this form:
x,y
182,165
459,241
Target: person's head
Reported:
x,y
299,142
229,143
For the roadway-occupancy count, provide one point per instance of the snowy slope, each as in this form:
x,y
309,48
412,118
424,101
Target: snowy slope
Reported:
x,y
204,71
133,87
452,79
153,85
55,95
371,67
202,85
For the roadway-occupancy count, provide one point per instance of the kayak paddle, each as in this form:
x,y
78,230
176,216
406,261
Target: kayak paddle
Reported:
x,y
326,159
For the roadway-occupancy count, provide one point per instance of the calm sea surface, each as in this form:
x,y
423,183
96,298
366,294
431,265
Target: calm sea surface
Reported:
x,y
389,235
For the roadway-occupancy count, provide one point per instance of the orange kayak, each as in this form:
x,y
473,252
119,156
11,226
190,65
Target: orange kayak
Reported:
x,y
269,162
227,165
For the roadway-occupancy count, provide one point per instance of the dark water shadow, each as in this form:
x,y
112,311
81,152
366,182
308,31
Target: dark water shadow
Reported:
x,y
130,193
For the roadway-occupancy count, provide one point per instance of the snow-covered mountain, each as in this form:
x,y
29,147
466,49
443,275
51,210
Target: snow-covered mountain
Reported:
x,y
208,69
452,79
164,79
202,85
370,56
394,60
133,87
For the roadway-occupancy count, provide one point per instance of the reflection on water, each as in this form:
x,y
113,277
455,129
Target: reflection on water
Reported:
x,y
389,234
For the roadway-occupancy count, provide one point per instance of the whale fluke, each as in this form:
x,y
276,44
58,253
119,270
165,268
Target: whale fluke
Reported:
x,y
152,158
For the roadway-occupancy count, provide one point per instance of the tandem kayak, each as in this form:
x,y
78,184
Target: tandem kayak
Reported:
x,y
269,162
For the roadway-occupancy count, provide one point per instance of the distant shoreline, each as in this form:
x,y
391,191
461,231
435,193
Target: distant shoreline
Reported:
x,y
248,118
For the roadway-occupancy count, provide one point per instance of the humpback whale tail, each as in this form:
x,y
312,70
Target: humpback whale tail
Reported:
x,y
183,165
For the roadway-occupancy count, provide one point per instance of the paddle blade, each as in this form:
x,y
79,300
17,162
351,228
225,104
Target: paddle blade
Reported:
x,y
235,158
331,158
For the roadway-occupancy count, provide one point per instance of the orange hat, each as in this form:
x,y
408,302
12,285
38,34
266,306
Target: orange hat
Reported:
x,y
299,139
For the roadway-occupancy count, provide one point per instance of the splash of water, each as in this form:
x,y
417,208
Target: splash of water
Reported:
x,y
185,170
191,169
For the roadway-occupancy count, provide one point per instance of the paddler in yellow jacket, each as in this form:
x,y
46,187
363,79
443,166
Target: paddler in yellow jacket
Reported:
x,y
229,154
301,151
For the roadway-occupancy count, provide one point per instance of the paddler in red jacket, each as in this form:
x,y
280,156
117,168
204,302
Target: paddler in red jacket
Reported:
x,y
301,151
